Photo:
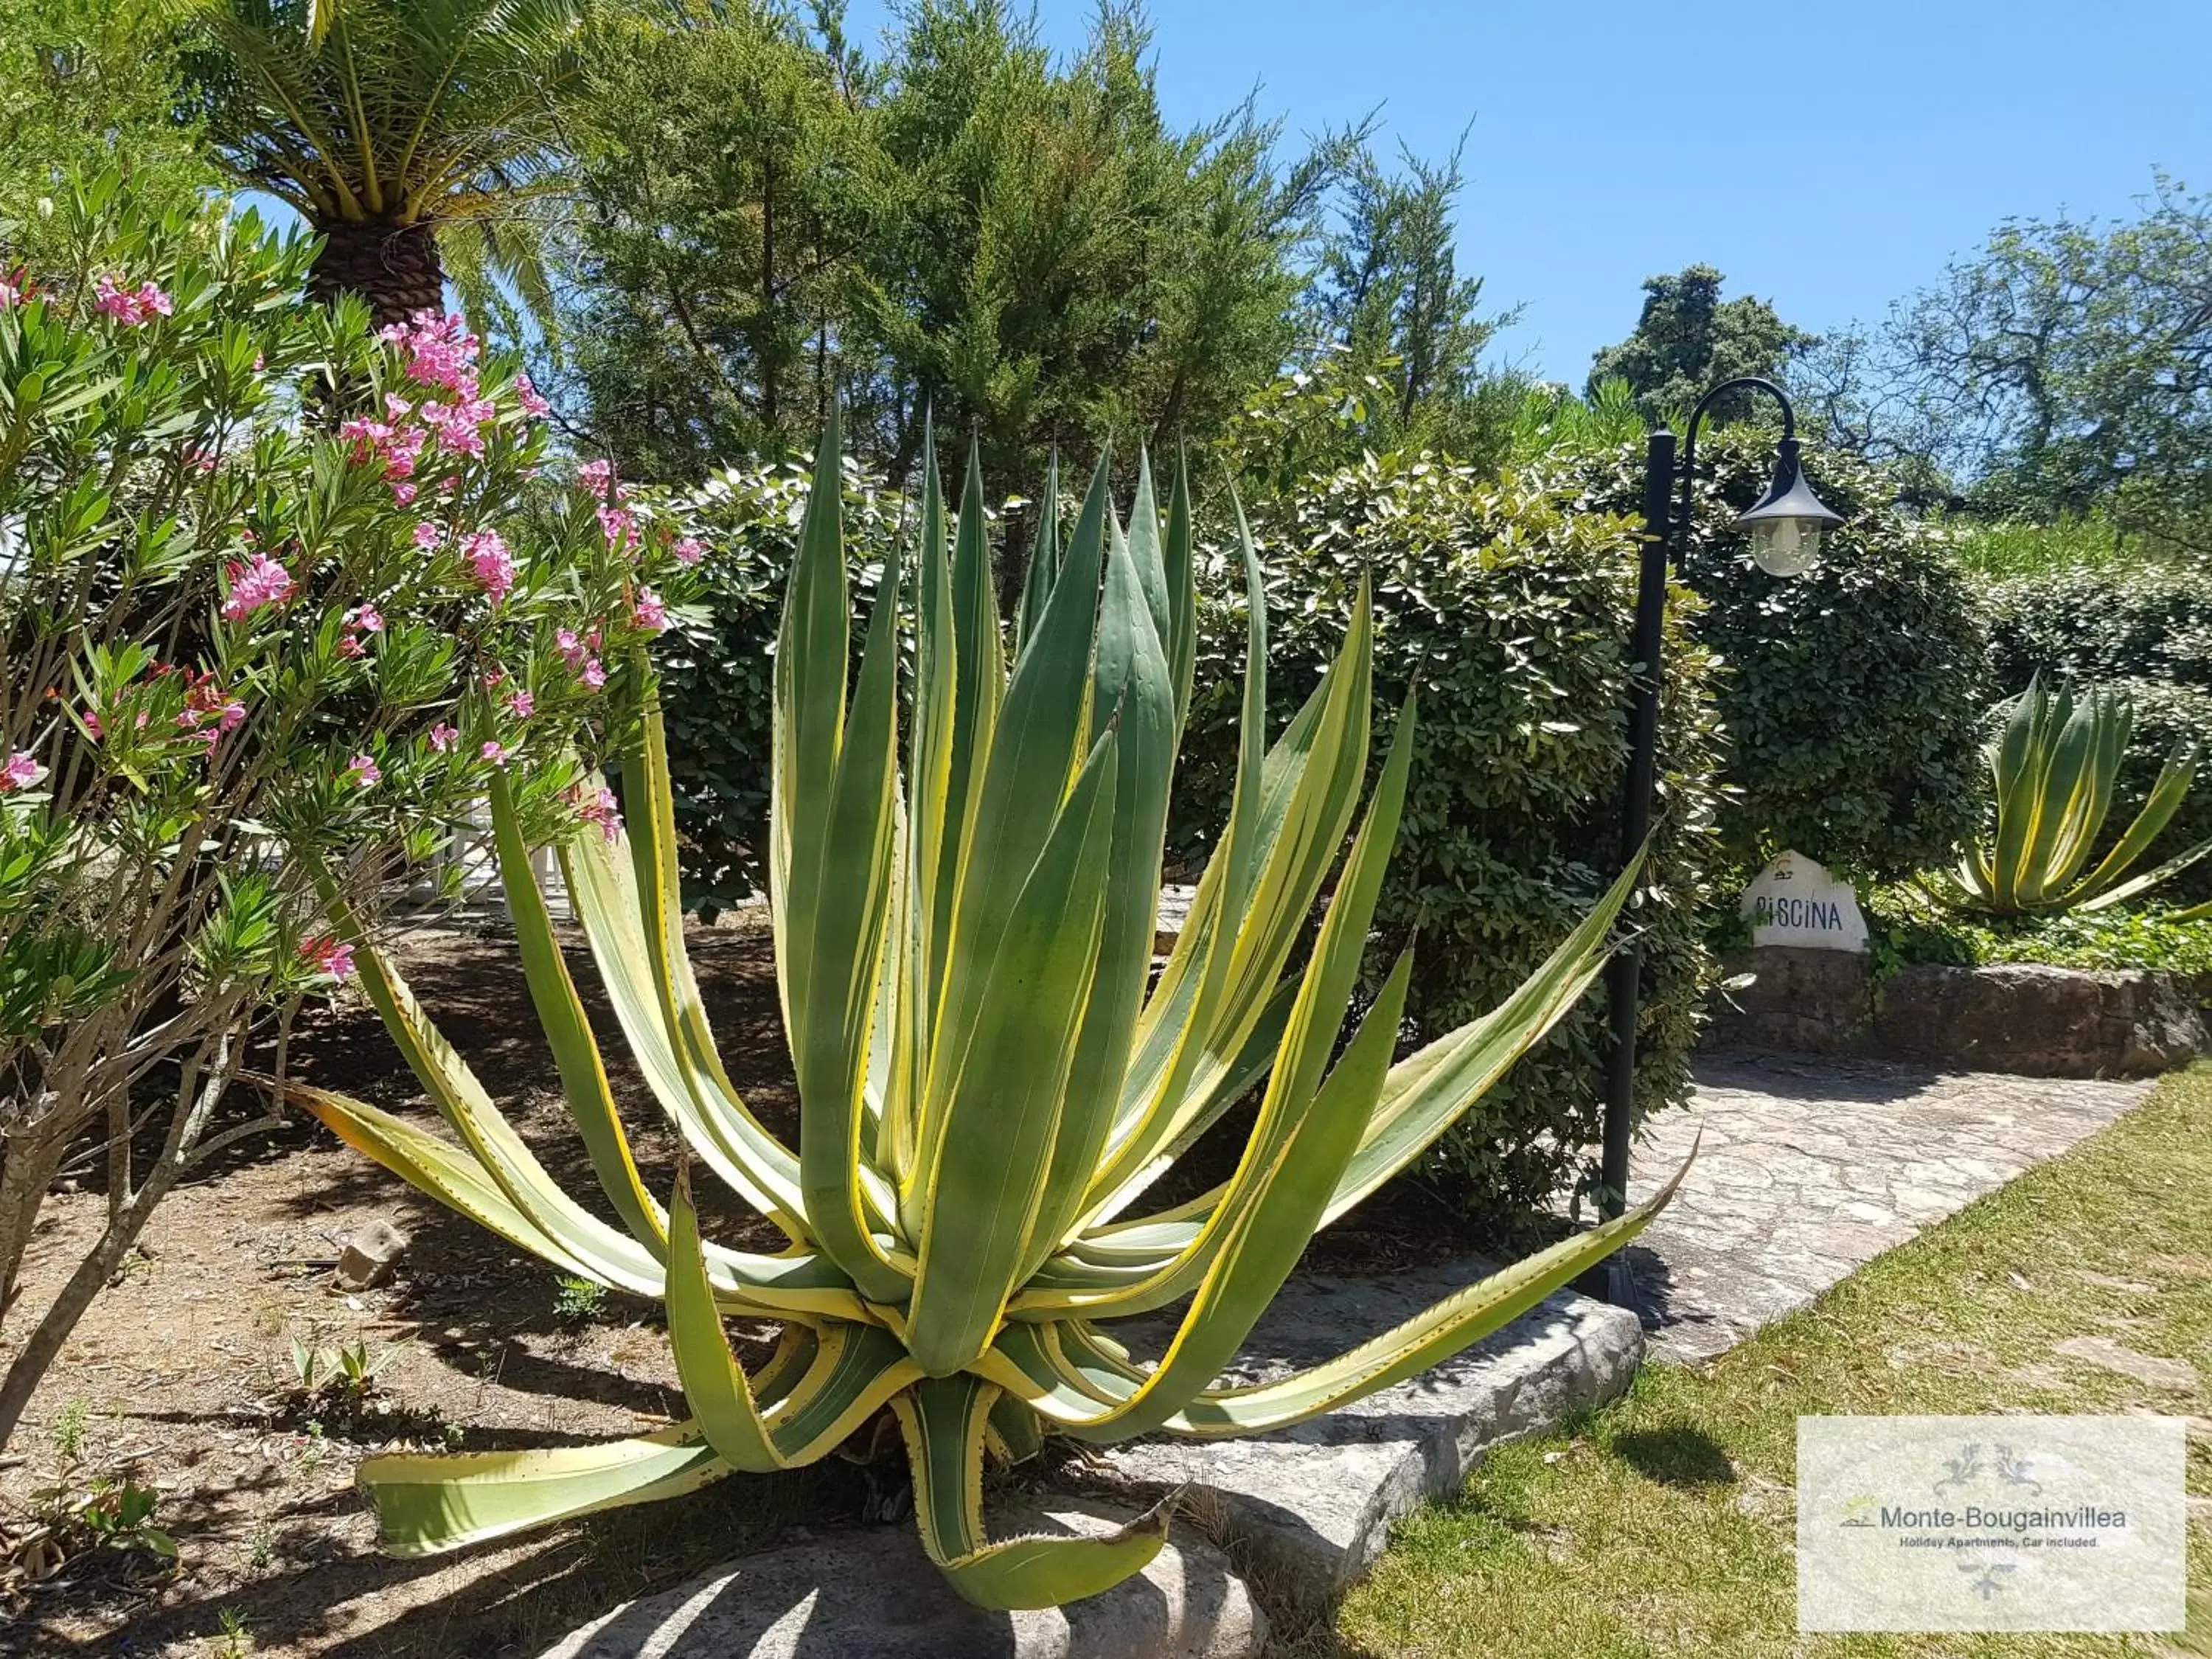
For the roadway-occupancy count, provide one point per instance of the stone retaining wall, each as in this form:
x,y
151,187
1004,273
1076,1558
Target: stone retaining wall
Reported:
x,y
2037,1021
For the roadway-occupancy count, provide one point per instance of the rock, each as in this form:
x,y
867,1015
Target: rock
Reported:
x,y
369,1256
2102,1350
873,1595
1815,1001
1307,1510
1174,911
2044,1022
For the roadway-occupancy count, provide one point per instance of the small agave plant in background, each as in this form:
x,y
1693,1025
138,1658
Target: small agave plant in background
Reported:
x,y
2055,765
990,1080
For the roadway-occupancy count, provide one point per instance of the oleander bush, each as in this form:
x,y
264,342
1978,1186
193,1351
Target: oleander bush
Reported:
x,y
1852,696
279,597
1507,610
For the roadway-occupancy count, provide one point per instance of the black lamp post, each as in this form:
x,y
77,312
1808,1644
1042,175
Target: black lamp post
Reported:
x,y
1785,529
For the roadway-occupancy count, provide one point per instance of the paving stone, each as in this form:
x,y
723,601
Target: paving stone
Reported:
x,y
2103,1351
1828,1162
1306,1511
873,1595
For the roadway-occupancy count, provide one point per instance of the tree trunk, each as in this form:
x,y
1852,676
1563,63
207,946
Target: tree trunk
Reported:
x,y
394,267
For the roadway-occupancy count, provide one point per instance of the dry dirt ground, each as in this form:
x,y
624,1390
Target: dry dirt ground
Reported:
x,y
181,1377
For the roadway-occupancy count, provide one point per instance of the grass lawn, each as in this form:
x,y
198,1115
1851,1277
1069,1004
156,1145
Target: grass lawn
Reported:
x,y
1664,1524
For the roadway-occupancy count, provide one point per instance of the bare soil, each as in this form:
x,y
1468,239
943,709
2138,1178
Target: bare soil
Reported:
x,y
181,1377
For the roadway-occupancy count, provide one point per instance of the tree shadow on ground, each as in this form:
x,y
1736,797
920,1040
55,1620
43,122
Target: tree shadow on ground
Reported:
x,y
1675,1455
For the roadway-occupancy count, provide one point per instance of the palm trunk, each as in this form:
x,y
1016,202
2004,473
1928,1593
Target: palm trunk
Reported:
x,y
394,267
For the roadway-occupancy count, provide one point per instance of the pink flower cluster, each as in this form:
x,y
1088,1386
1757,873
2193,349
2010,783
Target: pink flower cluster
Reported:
x,y
129,305
577,652
20,771
489,562
443,736
617,522
598,806
440,352
328,955
362,772
360,622
650,613
533,405
209,711
253,584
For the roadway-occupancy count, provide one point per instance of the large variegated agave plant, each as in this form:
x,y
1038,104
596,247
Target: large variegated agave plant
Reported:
x,y
2054,769
990,1079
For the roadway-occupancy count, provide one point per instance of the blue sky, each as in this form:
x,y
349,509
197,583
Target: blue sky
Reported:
x,y
1828,157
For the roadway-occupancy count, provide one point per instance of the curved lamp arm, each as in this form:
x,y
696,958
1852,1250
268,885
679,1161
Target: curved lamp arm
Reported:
x,y
1704,405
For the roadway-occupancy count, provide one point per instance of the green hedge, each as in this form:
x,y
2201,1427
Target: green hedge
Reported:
x,y
716,666
1510,614
2147,629
1850,695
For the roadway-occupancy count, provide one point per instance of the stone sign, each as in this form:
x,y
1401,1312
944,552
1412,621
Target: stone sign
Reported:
x,y
1795,901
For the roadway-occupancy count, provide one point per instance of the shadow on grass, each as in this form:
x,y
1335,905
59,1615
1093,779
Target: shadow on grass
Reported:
x,y
1676,1456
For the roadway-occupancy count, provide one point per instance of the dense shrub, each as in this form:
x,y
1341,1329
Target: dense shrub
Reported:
x,y
716,664
279,602
2146,628
1509,614
1850,696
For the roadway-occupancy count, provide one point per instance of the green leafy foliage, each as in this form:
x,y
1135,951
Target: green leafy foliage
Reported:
x,y
86,85
717,664
1506,610
1850,695
1906,922
991,1075
1688,340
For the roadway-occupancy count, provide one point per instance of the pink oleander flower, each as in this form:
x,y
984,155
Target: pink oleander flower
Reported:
x,y
441,350
598,478
403,493
397,408
494,678
367,618
618,524
231,716
253,584
443,736
428,535
93,724
592,673
571,647
201,459
488,558
351,646
533,405
361,771
129,307
20,771
496,753
651,612
689,549
11,294
598,806
522,704
327,956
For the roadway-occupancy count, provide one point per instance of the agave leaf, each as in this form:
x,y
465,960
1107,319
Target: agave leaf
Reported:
x,y
1044,555
2159,807
1428,1338
842,886
714,1382
427,1504
985,1182
568,1027
944,1420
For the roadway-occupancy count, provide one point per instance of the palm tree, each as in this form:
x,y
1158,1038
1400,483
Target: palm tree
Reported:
x,y
408,133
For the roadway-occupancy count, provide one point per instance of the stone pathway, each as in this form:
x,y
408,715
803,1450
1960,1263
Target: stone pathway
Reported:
x,y
1812,1165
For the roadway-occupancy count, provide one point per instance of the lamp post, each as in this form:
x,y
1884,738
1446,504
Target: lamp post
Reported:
x,y
1785,528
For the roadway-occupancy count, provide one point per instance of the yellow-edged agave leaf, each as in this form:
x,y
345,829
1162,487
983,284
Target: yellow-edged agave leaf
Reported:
x,y
944,1420
427,1504
989,1077
2055,768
